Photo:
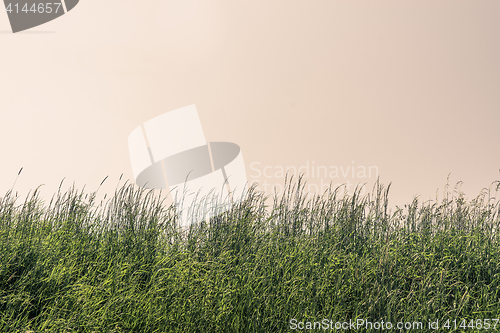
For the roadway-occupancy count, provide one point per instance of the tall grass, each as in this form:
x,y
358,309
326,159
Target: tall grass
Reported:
x,y
74,265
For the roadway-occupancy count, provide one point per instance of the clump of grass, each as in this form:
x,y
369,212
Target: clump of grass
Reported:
x,y
124,266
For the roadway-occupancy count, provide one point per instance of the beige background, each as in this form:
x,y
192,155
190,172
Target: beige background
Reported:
x,y
411,87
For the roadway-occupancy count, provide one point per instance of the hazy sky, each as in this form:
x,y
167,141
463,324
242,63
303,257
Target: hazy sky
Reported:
x,y
409,88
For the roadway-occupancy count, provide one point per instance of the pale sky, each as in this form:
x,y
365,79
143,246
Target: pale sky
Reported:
x,y
407,87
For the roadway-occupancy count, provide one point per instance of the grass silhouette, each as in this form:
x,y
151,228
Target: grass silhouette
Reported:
x,y
124,266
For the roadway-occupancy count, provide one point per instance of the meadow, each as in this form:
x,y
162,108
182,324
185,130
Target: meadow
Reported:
x,y
75,265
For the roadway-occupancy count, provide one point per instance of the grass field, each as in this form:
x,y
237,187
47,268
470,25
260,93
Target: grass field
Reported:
x,y
72,265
